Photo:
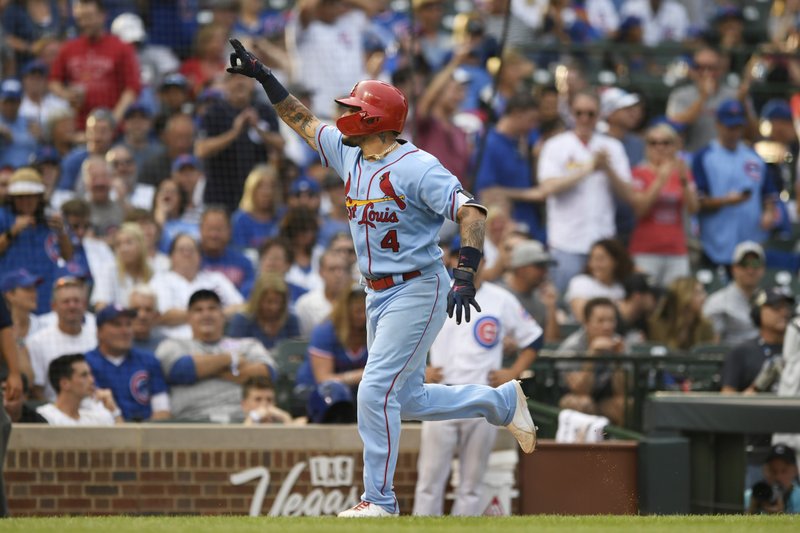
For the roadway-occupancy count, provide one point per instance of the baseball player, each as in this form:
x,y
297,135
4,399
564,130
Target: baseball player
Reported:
x,y
471,353
397,198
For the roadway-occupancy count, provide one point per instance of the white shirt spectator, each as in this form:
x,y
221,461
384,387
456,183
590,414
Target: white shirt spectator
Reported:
x,y
311,309
583,214
50,343
111,289
42,111
602,15
91,413
329,57
468,352
671,23
174,291
586,287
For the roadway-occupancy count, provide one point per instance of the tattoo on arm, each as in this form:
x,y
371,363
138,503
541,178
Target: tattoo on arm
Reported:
x,y
473,223
299,118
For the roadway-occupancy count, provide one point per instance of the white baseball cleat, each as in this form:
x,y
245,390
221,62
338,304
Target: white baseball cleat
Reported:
x,y
521,425
366,510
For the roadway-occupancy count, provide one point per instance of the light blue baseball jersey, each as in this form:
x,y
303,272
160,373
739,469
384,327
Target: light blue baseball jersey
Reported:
x,y
718,172
396,206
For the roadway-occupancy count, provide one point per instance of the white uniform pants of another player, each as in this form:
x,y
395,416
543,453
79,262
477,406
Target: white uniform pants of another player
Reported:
x,y
402,323
472,440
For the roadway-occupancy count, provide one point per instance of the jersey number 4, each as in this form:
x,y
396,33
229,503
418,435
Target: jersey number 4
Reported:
x,y
390,241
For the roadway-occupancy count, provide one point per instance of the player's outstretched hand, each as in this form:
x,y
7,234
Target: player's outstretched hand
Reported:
x,y
246,64
462,295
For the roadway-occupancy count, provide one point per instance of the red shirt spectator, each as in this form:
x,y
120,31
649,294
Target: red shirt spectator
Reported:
x,y
96,69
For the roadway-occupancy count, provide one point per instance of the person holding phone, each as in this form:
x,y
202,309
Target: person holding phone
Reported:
x,y
737,201
29,238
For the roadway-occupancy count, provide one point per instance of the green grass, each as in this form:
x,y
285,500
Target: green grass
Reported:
x,y
517,524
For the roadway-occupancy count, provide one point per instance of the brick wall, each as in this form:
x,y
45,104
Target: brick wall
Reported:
x,y
186,469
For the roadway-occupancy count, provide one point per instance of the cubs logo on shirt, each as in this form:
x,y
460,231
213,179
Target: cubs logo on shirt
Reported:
x,y
140,387
487,331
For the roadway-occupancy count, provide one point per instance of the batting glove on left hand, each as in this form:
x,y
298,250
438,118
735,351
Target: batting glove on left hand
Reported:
x,y
246,64
462,295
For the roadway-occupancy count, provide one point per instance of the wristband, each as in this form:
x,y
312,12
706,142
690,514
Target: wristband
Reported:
x,y
469,257
116,413
234,366
276,92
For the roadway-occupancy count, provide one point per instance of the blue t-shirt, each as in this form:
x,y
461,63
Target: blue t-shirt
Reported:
x,y
137,379
324,343
247,232
235,266
171,230
242,326
718,171
71,169
36,249
271,23
20,151
503,165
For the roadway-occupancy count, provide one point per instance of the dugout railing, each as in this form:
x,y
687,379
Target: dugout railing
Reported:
x,y
643,375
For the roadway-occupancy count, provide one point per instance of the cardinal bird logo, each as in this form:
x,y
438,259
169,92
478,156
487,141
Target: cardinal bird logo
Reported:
x,y
388,190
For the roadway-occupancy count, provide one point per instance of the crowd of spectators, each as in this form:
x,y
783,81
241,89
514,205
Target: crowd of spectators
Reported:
x,y
157,218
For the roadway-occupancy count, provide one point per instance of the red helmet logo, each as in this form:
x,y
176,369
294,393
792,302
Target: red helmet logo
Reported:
x,y
381,107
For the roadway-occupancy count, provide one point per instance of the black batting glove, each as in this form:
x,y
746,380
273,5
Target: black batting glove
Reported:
x,y
462,295
246,64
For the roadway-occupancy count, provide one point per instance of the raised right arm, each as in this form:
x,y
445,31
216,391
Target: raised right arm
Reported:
x,y
299,118
290,109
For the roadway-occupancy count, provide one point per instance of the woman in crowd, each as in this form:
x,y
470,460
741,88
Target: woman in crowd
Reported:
x,y
608,266
28,238
300,229
259,210
175,287
208,63
275,257
663,189
678,321
114,286
169,206
337,349
267,317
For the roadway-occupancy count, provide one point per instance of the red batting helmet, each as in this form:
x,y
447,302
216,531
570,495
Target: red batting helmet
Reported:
x,y
381,107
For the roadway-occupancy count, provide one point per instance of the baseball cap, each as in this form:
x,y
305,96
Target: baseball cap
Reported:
x,y
129,28
46,154
747,247
772,296
37,66
783,452
629,23
776,109
185,160
728,12
112,312
18,278
304,184
730,113
613,99
530,252
25,181
11,89
176,79
135,109
663,119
